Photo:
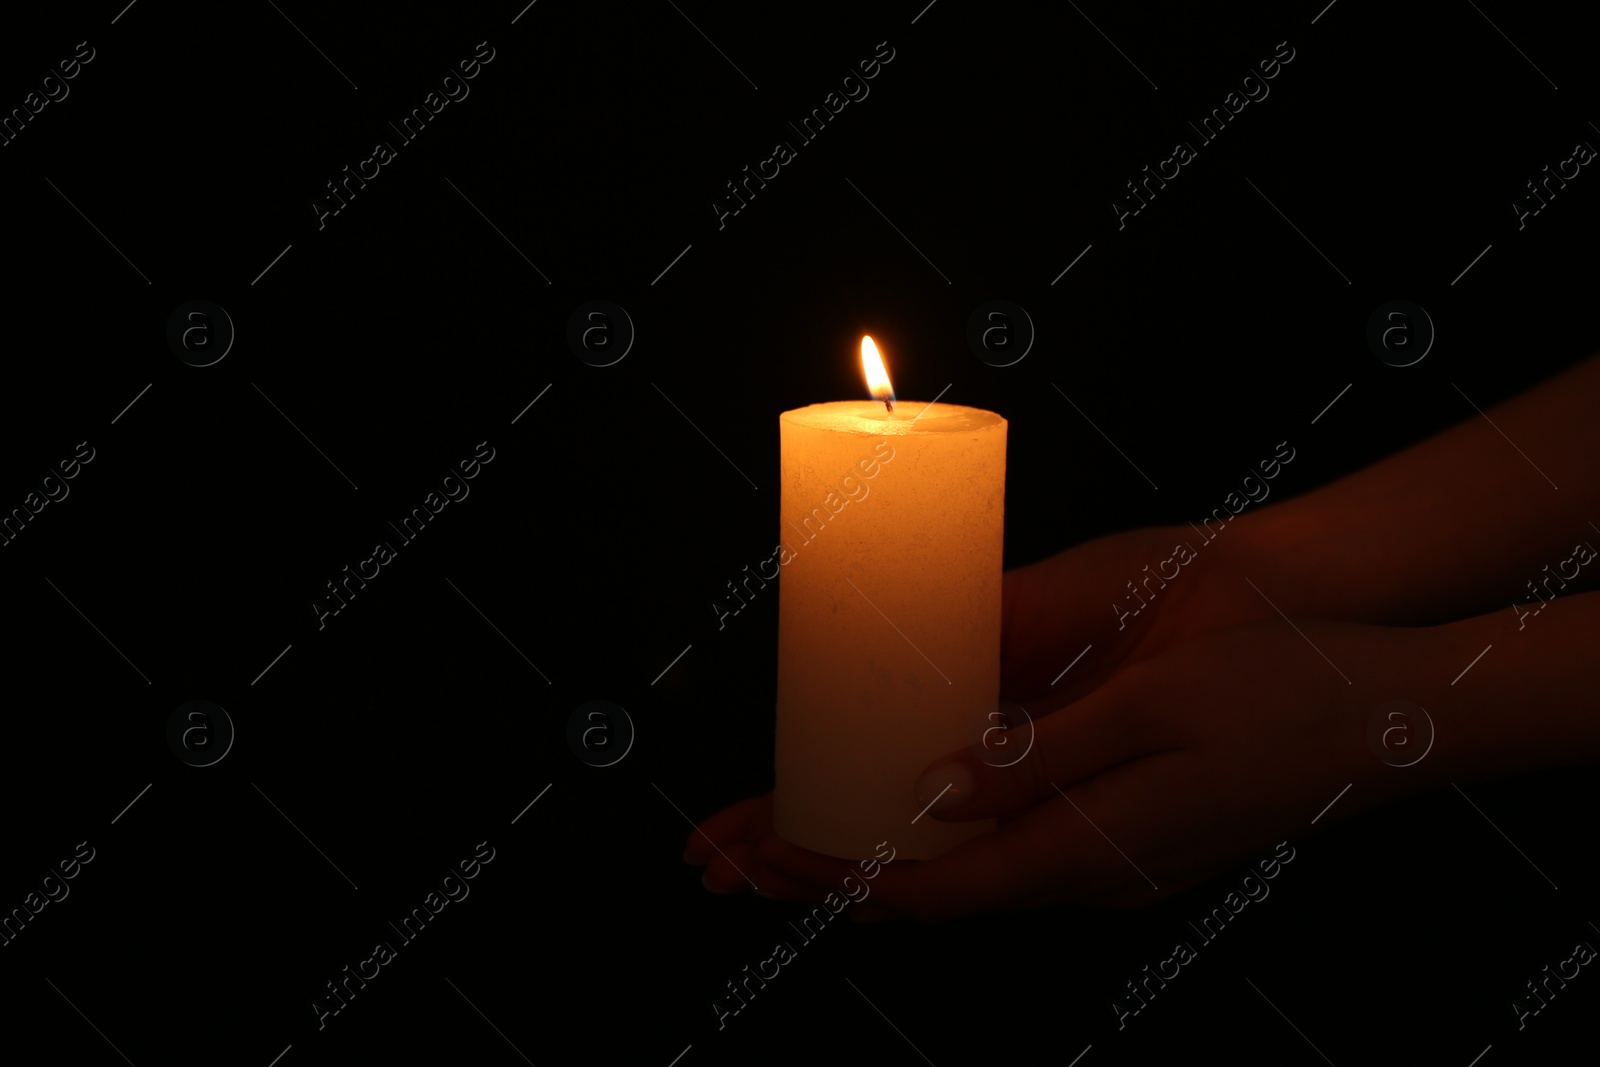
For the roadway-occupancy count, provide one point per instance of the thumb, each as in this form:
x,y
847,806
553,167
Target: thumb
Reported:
x,y
1028,764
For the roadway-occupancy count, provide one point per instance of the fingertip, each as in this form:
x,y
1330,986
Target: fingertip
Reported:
x,y
742,821
699,849
728,873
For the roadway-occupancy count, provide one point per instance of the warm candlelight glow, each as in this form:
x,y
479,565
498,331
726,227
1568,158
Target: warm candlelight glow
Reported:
x,y
877,377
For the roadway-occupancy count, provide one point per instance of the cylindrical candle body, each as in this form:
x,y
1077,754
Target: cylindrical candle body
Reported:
x,y
888,617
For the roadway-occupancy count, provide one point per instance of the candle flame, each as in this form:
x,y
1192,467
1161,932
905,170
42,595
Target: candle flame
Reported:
x,y
877,376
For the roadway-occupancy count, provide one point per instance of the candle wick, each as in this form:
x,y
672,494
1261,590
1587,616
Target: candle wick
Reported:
x,y
889,404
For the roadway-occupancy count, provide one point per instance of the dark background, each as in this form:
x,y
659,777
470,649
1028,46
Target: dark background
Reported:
x,y
414,325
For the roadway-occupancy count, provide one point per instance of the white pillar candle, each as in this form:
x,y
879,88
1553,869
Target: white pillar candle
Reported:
x,y
888,615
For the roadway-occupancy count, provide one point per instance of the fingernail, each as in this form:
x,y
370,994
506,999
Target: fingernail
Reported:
x,y
945,787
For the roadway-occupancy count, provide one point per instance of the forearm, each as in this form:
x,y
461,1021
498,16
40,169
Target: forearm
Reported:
x,y
1453,526
1527,701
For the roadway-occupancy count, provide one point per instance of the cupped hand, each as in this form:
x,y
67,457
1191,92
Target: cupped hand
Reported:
x,y
1177,768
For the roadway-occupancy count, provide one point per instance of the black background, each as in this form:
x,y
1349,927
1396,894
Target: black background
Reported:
x,y
410,327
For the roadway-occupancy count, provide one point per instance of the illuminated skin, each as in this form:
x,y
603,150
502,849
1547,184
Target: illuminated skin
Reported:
x,y
1207,728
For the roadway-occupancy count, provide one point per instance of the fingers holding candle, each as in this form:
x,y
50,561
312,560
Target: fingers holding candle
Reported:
x,y
730,870
1165,776
1114,841
725,846
748,820
1049,854
1128,838
733,840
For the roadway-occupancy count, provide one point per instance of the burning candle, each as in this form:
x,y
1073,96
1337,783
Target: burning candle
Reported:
x,y
892,517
